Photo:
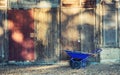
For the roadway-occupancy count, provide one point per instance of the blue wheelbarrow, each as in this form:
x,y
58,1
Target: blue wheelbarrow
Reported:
x,y
80,59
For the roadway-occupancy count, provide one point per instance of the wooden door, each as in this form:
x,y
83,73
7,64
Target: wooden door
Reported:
x,y
21,27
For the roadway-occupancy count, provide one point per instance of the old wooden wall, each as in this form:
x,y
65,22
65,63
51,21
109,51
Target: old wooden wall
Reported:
x,y
81,25
69,26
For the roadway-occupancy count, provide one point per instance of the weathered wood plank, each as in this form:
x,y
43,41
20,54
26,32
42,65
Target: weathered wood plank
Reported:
x,y
2,37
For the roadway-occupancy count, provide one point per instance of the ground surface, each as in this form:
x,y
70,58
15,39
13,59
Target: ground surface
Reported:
x,y
61,69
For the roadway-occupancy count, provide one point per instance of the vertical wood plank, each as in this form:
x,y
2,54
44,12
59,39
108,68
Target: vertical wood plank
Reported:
x,y
2,42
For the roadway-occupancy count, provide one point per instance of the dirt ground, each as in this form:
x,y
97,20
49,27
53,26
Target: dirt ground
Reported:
x,y
62,68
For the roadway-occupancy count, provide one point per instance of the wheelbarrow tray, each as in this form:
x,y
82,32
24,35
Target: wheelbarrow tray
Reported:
x,y
77,55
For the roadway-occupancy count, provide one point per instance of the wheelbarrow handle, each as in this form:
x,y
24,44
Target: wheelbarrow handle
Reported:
x,y
97,51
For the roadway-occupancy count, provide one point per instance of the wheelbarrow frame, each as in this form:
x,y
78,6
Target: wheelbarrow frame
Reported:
x,y
80,59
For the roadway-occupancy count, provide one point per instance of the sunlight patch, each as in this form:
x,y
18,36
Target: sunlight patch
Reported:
x,y
1,31
17,36
44,4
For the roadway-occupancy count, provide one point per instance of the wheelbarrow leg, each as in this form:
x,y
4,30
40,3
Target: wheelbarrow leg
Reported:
x,y
84,63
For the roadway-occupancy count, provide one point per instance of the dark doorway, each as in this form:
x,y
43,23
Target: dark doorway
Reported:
x,y
21,28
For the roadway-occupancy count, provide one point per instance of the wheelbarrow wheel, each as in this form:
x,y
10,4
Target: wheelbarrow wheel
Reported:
x,y
75,64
